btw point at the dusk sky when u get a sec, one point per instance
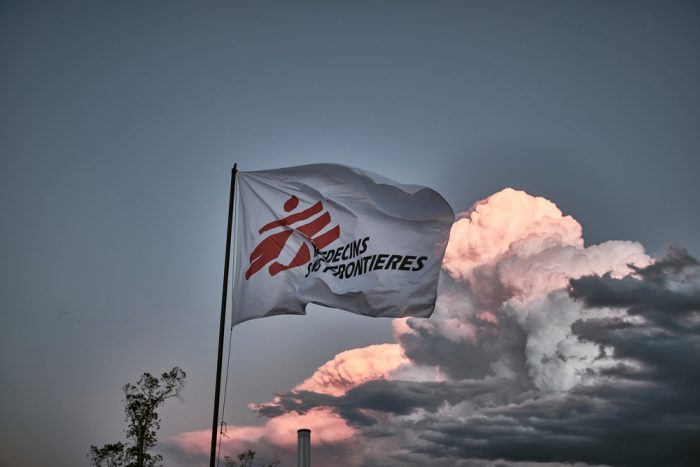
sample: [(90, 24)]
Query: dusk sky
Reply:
[(564, 134)]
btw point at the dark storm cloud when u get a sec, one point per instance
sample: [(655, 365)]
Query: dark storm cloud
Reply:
[(665, 348), (612, 424), (395, 398), (641, 410), (675, 262), (668, 285), (466, 359)]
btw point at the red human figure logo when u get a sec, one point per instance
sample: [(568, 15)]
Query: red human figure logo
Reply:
[(269, 249)]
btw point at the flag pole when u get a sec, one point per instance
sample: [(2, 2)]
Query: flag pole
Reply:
[(219, 358)]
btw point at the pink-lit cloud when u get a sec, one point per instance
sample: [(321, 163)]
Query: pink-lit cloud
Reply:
[(346, 370), (523, 246), (354, 367), (509, 222), (278, 437)]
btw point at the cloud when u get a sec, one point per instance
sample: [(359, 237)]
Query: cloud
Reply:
[(353, 367), (508, 221), (641, 409), (332, 434), (633, 341), (332, 439), (504, 310), (668, 284), (513, 246), (541, 351)]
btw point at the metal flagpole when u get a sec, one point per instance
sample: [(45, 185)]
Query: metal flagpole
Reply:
[(217, 389)]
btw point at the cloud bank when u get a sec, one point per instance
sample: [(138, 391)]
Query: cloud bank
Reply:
[(541, 350)]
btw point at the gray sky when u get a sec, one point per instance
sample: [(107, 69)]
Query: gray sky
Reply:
[(120, 121)]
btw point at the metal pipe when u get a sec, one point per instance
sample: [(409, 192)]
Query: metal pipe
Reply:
[(304, 447)]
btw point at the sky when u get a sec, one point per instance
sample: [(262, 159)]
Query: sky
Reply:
[(564, 134)]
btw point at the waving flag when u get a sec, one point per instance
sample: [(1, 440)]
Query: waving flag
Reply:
[(336, 236)]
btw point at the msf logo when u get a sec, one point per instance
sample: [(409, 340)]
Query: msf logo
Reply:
[(270, 248)]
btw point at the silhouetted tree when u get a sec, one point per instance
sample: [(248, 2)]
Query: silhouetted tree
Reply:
[(141, 402), (245, 459), (109, 455)]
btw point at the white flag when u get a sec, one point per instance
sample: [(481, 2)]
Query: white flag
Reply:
[(339, 237)]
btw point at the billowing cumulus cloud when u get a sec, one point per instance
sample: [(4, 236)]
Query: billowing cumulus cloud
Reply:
[(504, 310), (542, 350), (513, 246), (508, 221)]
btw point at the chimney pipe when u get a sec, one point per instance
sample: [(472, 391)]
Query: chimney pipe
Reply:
[(304, 447)]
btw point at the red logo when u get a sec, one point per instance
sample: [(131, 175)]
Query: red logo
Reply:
[(269, 249)]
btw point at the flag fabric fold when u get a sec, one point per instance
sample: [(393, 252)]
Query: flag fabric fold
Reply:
[(339, 237)]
